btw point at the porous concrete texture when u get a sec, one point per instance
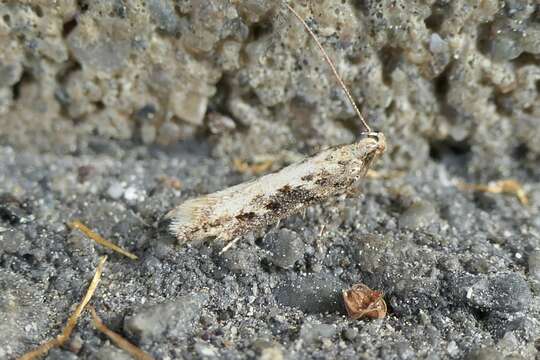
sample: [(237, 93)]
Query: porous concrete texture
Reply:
[(114, 111)]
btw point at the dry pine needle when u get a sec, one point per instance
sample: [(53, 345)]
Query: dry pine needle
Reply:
[(76, 224), (509, 186), (72, 320), (118, 339)]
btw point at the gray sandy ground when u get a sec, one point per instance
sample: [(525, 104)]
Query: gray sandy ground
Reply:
[(100, 100)]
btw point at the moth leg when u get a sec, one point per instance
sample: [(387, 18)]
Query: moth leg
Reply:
[(229, 245), (321, 232), (386, 175)]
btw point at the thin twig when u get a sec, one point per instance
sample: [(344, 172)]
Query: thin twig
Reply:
[(118, 339), (509, 186), (72, 320), (76, 224)]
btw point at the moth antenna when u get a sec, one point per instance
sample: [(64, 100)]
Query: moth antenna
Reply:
[(332, 66)]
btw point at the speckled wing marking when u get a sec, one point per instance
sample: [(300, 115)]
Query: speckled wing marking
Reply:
[(234, 211)]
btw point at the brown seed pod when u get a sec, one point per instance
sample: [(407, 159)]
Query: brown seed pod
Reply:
[(360, 301)]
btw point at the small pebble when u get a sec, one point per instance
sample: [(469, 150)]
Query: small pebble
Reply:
[(11, 209), (418, 215), (350, 333), (110, 352), (131, 194), (452, 349), (314, 293), (218, 123), (271, 353), (315, 332), (534, 264), (507, 293), (115, 191), (58, 354), (205, 351), (171, 320), (240, 260), (485, 354), (14, 242), (148, 133), (437, 44), (285, 247)]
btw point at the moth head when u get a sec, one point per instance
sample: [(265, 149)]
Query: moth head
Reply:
[(373, 143)]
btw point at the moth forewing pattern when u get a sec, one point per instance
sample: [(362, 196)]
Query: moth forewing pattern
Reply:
[(234, 211)]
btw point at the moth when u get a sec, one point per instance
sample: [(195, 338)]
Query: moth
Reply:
[(230, 213)]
